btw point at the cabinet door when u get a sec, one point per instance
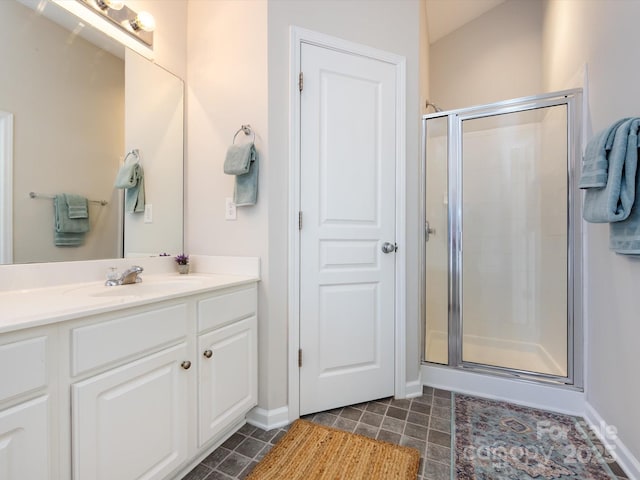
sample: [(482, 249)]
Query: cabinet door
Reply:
[(24, 441), (228, 376), (131, 422)]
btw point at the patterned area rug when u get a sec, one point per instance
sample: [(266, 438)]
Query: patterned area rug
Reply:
[(310, 451), (498, 440)]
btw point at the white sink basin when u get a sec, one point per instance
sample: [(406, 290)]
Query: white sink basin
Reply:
[(142, 289)]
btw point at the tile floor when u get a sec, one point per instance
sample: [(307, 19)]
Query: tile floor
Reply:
[(423, 423)]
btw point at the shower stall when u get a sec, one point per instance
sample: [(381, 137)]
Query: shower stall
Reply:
[(501, 265)]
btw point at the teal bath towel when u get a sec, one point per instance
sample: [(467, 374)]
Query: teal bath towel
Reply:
[(69, 232), (245, 192), (242, 161), (239, 158), (610, 178), (68, 239), (131, 177), (609, 173), (624, 236)]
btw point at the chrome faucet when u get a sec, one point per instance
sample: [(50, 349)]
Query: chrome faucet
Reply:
[(131, 275)]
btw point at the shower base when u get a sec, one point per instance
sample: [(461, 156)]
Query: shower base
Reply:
[(531, 357)]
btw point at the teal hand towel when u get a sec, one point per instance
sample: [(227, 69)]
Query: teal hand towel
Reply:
[(239, 158), (62, 239), (609, 173), (131, 177), (245, 192), (77, 206), (64, 224)]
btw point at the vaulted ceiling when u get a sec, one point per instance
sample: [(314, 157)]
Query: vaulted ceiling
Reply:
[(445, 16)]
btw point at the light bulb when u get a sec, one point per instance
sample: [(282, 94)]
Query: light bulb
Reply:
[(144, 21), (112, 4)]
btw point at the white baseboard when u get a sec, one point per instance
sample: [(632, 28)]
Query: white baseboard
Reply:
[(268, 419), (413, 389), (629, 463)]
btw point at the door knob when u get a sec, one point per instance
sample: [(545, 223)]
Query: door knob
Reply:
[(208, 353), (388, 247), (186, 364)]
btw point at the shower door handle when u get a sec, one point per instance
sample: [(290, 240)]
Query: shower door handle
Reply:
[(428, 231)]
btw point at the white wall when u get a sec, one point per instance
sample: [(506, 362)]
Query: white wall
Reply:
[(423, 54), (227, 72), (238, 68), (602, 35), (494, 57)]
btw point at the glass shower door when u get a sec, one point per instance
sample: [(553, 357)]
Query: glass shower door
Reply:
[(513, 255), (436, 306)]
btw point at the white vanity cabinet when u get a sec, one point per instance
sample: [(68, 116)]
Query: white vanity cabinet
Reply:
[(27, 449), (227, 364), (154, 388), (129, 421), (127, 386)]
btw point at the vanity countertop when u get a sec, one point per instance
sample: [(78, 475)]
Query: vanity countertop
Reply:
[(25, 308)]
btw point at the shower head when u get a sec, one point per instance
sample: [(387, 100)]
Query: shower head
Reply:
[(435, 107)]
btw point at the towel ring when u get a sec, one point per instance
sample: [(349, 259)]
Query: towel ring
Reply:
[(135, 152), (247, 131)]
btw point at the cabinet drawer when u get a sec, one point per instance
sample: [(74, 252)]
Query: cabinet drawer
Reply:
[(22, 367), (229, 307), (114, 340)]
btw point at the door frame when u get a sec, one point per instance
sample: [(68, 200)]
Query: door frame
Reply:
[(298, 36)]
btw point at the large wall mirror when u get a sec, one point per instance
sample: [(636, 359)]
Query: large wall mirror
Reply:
[(72, 104)]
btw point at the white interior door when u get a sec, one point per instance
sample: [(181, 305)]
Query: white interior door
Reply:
[(347, 285)]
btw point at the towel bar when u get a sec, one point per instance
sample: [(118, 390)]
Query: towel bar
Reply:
[(46, 195)]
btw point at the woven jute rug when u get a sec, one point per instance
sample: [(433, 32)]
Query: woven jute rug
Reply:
[(314, 452), (499, 440)]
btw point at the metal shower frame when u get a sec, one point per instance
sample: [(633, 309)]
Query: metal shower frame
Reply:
[(575, 350)]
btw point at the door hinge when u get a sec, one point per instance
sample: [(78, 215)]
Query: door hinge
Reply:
[(299, 358), (299, 220), (300, 81)]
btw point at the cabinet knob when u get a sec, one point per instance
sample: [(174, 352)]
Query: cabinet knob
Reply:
[(186, 364), (208, 353)]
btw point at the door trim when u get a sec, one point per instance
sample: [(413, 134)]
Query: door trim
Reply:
[(298, 36)]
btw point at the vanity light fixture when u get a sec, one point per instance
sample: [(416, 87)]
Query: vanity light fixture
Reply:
[(144, 21), (138, 25), (113, 4)]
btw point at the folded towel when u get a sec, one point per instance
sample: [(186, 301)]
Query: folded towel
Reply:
[(609, 173), (62, 239), (239, 158), (131, 177), (245, 192), (64, 224), (77, 206)]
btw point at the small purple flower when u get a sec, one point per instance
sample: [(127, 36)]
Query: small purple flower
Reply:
[(182, 259)]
